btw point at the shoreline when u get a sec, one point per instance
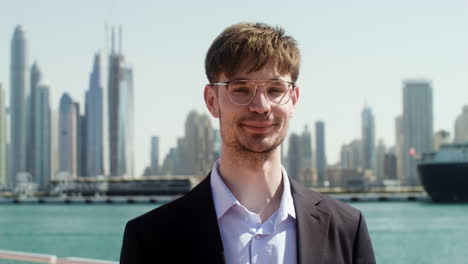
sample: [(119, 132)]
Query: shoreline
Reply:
[(353, 197)]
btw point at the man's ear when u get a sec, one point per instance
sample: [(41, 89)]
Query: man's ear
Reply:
[(294, 99), (211, 101)]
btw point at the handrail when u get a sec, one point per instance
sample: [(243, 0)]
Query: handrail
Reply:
[(25, 256), (84, 261), (50, 259)]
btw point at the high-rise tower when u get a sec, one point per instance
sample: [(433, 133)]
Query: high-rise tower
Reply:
[(94, 121), (320, 153), (32, 115), (294, 156), (80, 142), (120, 113), (42, 147), (68, 127), (351, 155), (399, 148), (368, 138), (461, 126), (3, 138), (19, 92), (379, 162), (306, 150), (198, 145), (154, 167), (417, 126)]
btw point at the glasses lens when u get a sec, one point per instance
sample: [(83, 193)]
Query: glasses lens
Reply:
[(241, 92), (277, 91)]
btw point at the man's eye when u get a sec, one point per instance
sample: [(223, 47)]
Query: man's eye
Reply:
[(275, 91), (240, 90)]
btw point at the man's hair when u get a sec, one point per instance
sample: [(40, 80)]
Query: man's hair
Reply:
[(252, 45)]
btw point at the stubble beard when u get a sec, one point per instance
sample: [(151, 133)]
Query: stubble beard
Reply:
[(246, 151)]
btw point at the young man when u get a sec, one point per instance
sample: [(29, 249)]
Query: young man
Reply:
[(247, 210)]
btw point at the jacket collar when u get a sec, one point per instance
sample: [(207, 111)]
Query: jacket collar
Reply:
[(312, 224), (200, 202)]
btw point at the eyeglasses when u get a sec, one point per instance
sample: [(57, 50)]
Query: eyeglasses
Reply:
[(242, 92)]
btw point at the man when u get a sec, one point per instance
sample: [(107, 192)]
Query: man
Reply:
[(247, 210)]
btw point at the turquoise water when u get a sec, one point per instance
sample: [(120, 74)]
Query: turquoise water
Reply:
[(402, 232)]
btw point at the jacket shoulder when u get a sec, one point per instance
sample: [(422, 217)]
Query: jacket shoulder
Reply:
[(326, 203), (160, 214), (174, 212), (338, 209), (161, 229)]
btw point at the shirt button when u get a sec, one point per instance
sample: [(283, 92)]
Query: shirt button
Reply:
[(258, 236)]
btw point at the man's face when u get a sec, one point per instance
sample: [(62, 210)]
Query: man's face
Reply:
[(258, 127)]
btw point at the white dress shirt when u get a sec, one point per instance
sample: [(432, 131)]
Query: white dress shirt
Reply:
[(246, 240)]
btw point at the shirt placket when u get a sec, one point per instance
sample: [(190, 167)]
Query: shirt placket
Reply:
[(260, 250)]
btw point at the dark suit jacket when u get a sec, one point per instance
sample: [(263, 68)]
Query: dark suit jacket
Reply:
[(186, 231)]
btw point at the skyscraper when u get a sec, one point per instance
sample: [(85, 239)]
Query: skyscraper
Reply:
[(368, 138), (299, 158), (32, 114), (294, 156), (80, 142), (94, 122), (198, 146), (417, 126), (320, 152), (379, 160), (54, 142), (68, 125), (461, 126), (351, 155), (346, 156), (154, 155), (306, 150), (390, 166), (3, 138), (42, 149), (18, 104), (399, 148), (168, 166), (120, 111)]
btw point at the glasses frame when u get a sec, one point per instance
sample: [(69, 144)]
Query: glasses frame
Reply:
[(290, 90)]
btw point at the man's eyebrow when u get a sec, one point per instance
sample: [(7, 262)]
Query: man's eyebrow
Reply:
[(278, 78)]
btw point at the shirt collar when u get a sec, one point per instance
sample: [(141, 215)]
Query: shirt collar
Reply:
[(224, 199), (222, 196), (287, 204)]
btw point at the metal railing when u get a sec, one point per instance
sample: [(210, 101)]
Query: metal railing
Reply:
[(50, 259)]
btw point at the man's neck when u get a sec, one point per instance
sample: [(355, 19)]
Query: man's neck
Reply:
[(256, 185)]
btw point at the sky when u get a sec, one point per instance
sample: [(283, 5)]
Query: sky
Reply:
[(354, 53)]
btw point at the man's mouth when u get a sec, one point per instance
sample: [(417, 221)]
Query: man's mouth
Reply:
[(258, 127)]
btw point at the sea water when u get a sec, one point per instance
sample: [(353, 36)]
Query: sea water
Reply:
[(401, 232)]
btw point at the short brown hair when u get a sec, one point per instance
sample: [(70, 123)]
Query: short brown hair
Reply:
[(255, 44)]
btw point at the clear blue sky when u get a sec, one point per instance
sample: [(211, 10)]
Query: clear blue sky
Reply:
[(354, 52)]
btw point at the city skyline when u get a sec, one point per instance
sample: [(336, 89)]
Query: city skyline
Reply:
[(340, 48)]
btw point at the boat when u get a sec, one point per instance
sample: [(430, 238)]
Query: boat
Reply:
[(444, 174)]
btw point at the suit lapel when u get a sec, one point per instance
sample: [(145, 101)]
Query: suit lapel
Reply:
[(204, 214), (312, 225)]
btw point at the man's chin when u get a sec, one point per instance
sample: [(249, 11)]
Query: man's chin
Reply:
[(259, 147)]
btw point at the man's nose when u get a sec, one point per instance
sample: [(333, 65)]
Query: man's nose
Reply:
[(260, 103)]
